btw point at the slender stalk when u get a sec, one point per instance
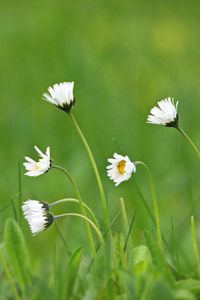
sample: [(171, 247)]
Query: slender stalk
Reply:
[(126, 223), (190, 141), (124, 214), (154, 201), (105, 234), (9, 276), (195, 246), (76, 190), (63, 240), (154, 223), (73, 200), (129, 231), (20, 193), (93, 162), (175, 246), (86, 219), (88, 230), (14, 209)]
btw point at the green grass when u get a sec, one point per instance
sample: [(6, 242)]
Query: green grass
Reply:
[(123, 57)]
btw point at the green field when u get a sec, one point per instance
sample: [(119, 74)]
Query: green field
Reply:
[(123, 57)]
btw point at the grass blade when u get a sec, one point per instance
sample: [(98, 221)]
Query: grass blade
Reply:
[(72, 271), (17, 253), (129, 230)]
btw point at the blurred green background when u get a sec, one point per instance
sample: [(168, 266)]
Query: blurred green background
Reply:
[(124, 56)]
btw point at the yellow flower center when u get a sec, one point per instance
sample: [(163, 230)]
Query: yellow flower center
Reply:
[(121, 166), (37, 167)]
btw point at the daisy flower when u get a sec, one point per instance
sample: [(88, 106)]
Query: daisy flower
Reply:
[(120, 168), (36, 168), (61, 95), (165, 113), (37, 214)]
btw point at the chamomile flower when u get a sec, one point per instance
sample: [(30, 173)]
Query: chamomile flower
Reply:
[(165, 113), (120, 169), (37, 214), (36, 168), (61, 95)]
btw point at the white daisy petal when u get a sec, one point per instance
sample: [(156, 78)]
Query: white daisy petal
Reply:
[(165, 113), (37, 214), (61, 95), (120, 169), (36, 168)]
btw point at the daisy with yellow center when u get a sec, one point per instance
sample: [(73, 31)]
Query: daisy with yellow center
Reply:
[(120, 169), (36, 168)]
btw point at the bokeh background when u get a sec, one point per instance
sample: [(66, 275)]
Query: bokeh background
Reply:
[(124, 56)]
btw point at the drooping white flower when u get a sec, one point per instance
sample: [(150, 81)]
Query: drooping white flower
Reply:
[(37, 214), (61, 95), (36, 168), (120, 168), (165, 114)]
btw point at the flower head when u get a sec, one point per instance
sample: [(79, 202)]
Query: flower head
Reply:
[(120, 168), (37, 214), (165, 114), (61, 95), (36, 168)]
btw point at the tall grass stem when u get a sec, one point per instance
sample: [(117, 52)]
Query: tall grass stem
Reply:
[(76, 190), (189, 141), (124, 214), (154, 202), (20, 193), (96, 171)]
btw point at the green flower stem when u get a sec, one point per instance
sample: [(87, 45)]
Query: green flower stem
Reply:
[(195, 246), (190, 141), (86, 219), (73, 200), (88, 230), (154, 201), (76, 190), (93, 162), (9, 276)]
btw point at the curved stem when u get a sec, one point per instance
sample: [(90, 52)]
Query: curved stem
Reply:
[(76, 190), (73, 200), (86, 219), (93, 162), (154, 201), (190, 141), (88, 230)]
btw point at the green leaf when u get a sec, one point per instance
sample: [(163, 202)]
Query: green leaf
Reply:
[(140, 259), (118, 257), (157, 289), (108, 292), (189, 284), (17, 253), (99, 274), (184, 295), (72, 271), (39, 290), (158, 258), (128, 282)]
